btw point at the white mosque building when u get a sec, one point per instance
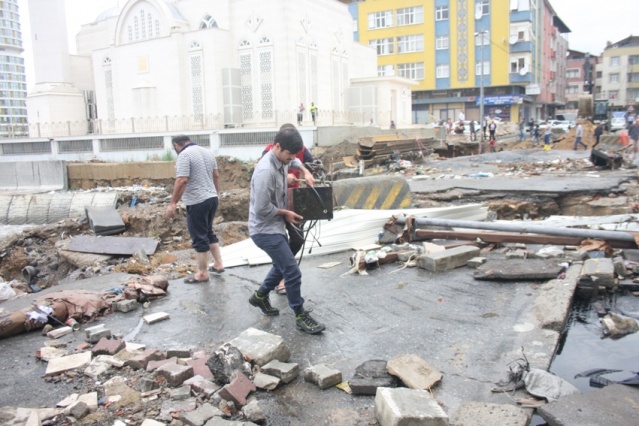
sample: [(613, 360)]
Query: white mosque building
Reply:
[(153, 65)]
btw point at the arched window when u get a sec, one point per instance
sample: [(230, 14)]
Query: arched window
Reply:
[(245, 43), (264, 40), (208, 22), (195, 45), (106, 61)]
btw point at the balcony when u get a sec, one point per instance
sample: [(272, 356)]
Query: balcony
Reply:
[(521, 46)]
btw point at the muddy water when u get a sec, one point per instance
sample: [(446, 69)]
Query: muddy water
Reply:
[(583, 348)]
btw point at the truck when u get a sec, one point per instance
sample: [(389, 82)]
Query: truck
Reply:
[(595, 110)]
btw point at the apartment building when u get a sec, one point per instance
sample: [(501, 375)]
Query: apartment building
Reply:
[(513, 49), (581, 76), (620, 73), (13, 85)]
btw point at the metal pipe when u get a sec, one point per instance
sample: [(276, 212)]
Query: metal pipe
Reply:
[(522, 228)]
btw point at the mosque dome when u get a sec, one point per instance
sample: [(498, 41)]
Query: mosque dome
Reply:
[(109, 13)]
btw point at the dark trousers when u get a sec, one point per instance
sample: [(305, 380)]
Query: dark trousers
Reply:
[(199, 222), (284, 266)]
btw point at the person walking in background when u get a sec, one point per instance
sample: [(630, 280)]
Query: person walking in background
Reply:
[(392, 125), (197, 184), (599, 131), (314, 113), (522, 130), (473, 135), (633, 133), (492, 128), (462, 116), (492, 144), (547, 136), (300, 114), (579, 134), (536, 134), (268, 215), (484, 125), (531, 125)]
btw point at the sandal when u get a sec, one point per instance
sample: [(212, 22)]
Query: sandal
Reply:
[(216, 271), (192, 280)]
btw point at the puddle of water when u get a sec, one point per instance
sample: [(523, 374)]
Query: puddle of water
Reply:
[(131, 336), (582, 347)]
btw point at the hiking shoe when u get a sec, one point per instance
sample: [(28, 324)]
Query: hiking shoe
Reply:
[(264, 304), (307, 324)]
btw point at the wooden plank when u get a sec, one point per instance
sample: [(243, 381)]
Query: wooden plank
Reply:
[(112, 245)]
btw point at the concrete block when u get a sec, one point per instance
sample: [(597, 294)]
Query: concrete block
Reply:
[(414, 372), (134, 347), (619, 266), (181, 393), (201, 415), (175, 374), (179, 353), (108, 346), (402, 406), (285, 371), (104, 220), (483, 413), (202, 386), (601, 268), (265, 381), (448, 259), (145, 384), (140, 361), (238, 389), (371, 375), (253, 412), (94, 334), (579, 254), (261, 347), (323, 376), (155, 364), (476, 262), (518, 254), (59, 332), (156, 317), (67, 363), (126, 305)]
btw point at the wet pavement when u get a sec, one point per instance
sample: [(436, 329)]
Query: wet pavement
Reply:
[(469, 330)]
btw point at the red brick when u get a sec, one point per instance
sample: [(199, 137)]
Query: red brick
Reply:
[(200, 368), (108, 346), (238, 389), (141, 361)]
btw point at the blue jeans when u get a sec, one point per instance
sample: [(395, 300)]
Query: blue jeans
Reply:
[(284, 266)]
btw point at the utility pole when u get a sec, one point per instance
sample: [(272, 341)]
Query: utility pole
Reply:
[(481, 83)]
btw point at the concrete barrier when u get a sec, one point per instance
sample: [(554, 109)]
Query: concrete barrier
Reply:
[(18, 175), (39, 209), (374, 192)]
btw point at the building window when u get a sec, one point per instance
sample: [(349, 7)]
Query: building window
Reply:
[(483, 38), (521, 35), (572, 89), (410, 15), (441, 42), (633, 59), (208, 22), (385, 70), (615, 61), (517, 65), (632, 95), (572, 73), (633, 77), (613, 94), (614, 78), (414, 71), (441, 13), (478, 68), (484, 6), (412, 43), (382, 19), (443, 71), (384, 46)]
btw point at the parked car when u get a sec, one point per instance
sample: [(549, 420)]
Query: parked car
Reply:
[(556, 124), (617, 123)]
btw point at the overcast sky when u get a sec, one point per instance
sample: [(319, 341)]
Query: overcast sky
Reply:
[(592, 22)]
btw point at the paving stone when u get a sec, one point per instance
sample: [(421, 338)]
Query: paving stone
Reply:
[(200, 415), (483, 413), (178, 353), (59, 332), (145, 384), (108, 346), (253, 412), (133, 347), (110, 360), (285, 371), (448, 259), (602, 269), (154, 365), (202, 385), (156, 317), (200, 368), (126, 305), (142, 360), (413, 371), (476, 262), (265, 381), (323, 376), (67, 363), (175, 374), (261, 347), (238, 389), (402, 406), (89, 330), (169, 407), (95, 335), (181, 393), (369, 376)]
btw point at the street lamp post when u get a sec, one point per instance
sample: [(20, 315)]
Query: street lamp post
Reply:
[(481, 84)]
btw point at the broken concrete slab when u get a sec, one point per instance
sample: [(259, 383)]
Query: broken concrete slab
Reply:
[(371, 375), (413, 371), (225, 361), (518, 269), (67, 363), (554, 299), (265, 381), (112, 245), (602, 268), (483, 413), (104, 220), (448, 259), (175, 374), (202, 386), (261, 347), (617, 404), (402, 406), (201, 415), (285, 371)]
